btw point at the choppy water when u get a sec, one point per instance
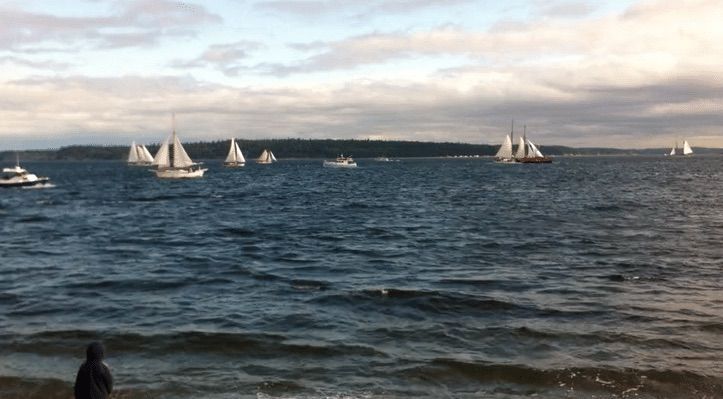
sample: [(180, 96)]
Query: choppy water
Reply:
[(422, 278)]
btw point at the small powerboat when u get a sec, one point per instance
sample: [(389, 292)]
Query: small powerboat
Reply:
[(340, 162), (19, 177)]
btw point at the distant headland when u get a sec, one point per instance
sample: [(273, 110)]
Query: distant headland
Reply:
[(318, 148)]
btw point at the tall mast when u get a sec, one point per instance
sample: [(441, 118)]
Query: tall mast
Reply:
[(512, 132), (524, 136), (173, 140)]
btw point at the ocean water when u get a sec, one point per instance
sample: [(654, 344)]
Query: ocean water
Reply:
[(440, 278)]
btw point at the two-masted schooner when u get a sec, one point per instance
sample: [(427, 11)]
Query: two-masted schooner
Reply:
[(175, 164), (139, 155), (527, 151), (686, 150), (266, 157), (235, 157)]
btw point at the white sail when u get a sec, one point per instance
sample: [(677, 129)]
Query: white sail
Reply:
[(520, 149), (163, 158), (534, 150), (686, 148), (133, 154), (273, 158), (239, 155), (264, 157), (180, 157), (505, 151), (672, 150), (144, 154), (231, 157)]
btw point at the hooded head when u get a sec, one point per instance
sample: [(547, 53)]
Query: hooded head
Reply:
[(95, 352)]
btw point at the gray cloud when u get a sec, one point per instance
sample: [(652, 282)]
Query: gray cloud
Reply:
[(634, 80), (134, 23), (632, 116), (224, 57)]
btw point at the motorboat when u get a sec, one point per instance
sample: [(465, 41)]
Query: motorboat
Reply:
[(341, 162), (19, 177)]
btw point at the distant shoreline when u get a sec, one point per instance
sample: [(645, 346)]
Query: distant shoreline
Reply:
[(323, 149)]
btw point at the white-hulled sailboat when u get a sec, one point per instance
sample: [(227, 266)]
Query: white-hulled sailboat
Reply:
[(176, 164), (266, 157), (235, 157), (686, 150), (139, 155)]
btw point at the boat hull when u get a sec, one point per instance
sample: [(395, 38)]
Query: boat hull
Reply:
[(505, 160), (535, 160), (180, 173), (40, 181), (234, 164), (328, 164)]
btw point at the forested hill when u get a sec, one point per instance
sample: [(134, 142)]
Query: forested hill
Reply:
[(300, 148)]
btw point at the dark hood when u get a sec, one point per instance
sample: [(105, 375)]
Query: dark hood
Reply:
[(95, 351)]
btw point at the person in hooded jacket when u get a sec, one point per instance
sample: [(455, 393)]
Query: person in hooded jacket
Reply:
[(94, 380)]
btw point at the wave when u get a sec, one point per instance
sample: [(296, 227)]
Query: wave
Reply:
[(51, 388), (238, 232), (427, 301), (33, 219), (71, 342), (619, 382)]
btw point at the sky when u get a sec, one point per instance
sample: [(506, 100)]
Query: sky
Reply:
[(620, 73)]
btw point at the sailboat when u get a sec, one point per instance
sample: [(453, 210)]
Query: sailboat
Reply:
[(686, 150), (176, 164), (139, 155), (266, 157), (235, 157), (504, 155), (528, 152)]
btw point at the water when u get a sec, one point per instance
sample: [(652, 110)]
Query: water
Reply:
[(452, 278)]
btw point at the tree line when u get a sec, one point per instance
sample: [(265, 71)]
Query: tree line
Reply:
[(304, 148)]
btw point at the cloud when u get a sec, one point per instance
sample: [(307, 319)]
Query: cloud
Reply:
[(112, 111), (356, 9), (34, 64), (686, 32), (132, 23), (224, 57), (564, 9), (634, 79)]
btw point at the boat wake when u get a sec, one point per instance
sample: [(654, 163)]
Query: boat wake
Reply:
[(39, 186)]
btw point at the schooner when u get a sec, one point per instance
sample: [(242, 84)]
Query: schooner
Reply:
[(139, 155), (175, 164), (266, 157), (686, 150)]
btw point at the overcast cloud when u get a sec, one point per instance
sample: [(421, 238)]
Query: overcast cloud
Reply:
[(638, 76)]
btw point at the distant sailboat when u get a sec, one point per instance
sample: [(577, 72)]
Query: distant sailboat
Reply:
[(686, 150), (235, 157), (176, 164), (266, 157), (527, 152), (139, 155)]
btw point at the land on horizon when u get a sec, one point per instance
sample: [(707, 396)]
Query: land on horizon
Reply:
[(321, 148)]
